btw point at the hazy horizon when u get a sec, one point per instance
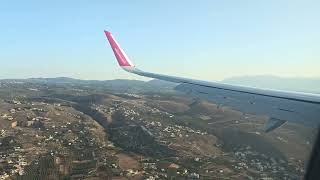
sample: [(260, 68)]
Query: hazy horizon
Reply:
[(298, 84), (150, 79)]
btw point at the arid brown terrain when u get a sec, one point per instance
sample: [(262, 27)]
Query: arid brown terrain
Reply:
[(66, 128)]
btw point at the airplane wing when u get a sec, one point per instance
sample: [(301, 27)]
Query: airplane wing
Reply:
[(279, 106)]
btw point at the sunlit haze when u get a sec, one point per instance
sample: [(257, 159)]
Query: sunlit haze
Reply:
[(209, 40)]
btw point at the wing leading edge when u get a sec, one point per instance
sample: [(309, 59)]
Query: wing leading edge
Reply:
[(280, 106)]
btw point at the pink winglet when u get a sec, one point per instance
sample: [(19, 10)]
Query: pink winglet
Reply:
[(122, 58)]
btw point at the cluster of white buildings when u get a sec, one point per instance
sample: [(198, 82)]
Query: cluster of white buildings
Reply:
[(15, 160)]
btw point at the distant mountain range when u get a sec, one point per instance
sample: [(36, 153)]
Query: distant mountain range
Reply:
[(309, 85), (115, 82), (121, 85), (67, 80)]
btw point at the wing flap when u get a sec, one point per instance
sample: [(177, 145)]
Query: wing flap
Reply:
[(273, 124)]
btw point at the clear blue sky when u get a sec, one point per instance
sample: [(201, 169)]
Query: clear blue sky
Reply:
[(203, 39)]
